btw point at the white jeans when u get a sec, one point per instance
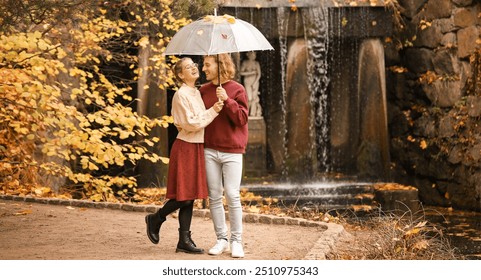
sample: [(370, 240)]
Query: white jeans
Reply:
[(224, 173)]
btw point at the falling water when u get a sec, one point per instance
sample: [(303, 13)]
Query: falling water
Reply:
[(316, 33), (283, 22)]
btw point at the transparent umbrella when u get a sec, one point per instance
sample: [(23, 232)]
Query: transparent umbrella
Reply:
[(214, 34), (217, 34)]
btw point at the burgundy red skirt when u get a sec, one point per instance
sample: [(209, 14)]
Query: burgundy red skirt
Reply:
[(186, 178)]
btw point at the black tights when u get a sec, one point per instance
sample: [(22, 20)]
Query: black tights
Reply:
[(185, 212)]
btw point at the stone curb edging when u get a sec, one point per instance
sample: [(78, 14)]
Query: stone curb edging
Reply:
[(331, 232), (326, 243)]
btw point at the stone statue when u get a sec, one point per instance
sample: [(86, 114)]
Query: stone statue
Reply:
[(251, 72)]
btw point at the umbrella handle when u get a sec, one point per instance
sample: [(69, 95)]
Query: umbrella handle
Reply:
[(218, 70), (220, 87), (218, 64)]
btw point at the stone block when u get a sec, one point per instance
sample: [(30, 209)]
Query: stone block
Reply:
[(425, 126), (467, 38), (419, 60), (446, 127), (66, 202), (80, 203), (151, 209), (446, 25), (138, 208), (115, 206), (264, 219), (437, 9), (443, 93), (429, 37), (449, 40), (446, 62), (54, 201), (464, 17), (251, 218), (279, 221), (127, 207), (18, 198), (456, 154), (255, 156), (397, 198), (474, 153), (293, 221)]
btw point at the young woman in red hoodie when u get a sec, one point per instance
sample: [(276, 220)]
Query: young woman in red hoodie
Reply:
[(225, 140)]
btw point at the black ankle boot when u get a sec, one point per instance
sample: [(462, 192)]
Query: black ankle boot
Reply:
[(186, 244), (154, 222)]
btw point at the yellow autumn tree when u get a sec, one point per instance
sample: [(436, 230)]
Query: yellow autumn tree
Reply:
[(66, 121)]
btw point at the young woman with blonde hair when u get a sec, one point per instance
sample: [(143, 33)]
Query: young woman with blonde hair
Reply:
[(186, 179)]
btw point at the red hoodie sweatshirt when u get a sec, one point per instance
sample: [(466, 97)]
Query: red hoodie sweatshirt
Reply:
[(228, 132)]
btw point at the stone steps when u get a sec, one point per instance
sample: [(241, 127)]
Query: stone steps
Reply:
[(350, 196), (326, 195)]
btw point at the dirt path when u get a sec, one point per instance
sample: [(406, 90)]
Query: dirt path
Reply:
[(35, 231)]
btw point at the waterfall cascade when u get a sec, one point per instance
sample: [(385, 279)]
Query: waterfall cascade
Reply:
[(323, 96)]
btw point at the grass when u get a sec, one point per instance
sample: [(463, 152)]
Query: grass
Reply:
[(393, 236)]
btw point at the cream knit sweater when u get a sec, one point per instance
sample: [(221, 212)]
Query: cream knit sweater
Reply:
[(190, 114)]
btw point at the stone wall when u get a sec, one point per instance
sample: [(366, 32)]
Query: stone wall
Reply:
[(434, 95)]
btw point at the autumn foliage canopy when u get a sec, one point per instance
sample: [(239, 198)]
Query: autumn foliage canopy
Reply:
[(65, 122)]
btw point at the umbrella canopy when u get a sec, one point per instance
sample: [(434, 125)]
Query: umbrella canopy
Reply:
[(212, 35)]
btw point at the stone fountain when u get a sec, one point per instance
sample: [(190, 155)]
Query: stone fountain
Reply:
[(323, 98)]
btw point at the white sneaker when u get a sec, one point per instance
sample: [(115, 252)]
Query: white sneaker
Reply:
[(237, 250), (221, 246)]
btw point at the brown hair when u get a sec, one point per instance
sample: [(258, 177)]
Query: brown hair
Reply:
[(226, 64), (177, 69)]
